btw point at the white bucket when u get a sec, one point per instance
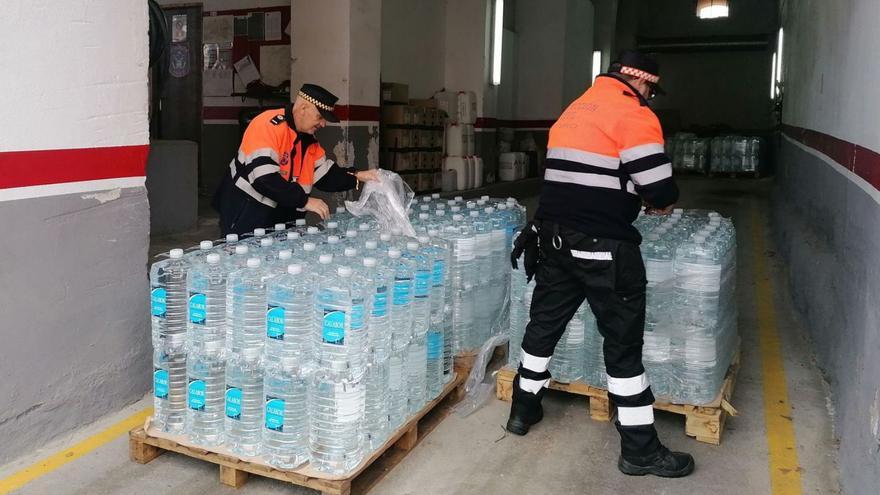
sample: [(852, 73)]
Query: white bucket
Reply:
[(507, 167), (450, 181), (447, 102), (460, 165)]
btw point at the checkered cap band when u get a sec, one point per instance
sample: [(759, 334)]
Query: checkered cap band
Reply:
[(630, 71), (315, 102)]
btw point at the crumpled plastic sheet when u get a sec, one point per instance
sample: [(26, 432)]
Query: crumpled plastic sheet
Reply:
[(388, 201), (477, 393)]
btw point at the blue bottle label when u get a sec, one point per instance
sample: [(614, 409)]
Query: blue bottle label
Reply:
[(195, 396), (435, 345), (157, 302), (233, 402), (437, 276), (380, 302), (160, 383), (197, 309), (423, 283), (275, 322), (357, 317), (333, 331), (401, 294), (274, 413)]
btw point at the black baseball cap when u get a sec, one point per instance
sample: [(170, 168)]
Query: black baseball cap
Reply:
[(324, 100), (637, 64)]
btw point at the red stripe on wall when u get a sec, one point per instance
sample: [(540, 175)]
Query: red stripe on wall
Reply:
[(42, 167), (860, 160), (344, 112)]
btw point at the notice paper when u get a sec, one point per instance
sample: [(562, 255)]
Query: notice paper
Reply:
[(218, 29), (273, 26), (246, 70)]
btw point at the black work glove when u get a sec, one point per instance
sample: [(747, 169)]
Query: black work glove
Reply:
[(526, 243)]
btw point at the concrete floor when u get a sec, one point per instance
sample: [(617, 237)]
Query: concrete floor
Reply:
[(567, 452)]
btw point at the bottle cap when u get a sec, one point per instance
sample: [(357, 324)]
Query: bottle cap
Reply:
[(459, 198), (423, 239), (351, 233), (332, 225), (213, 259), (678, 210), (309, 246), (176, 254), (455, 209), (231, 237), (511, 200), (371, 245), (294, 269), (433, 232), (312, 230), (280, 226), (424, 216), (424, 207), (489, 210), (439, 213), (370, 262), (435, 195), (253, 262), (241, 249), (344, 271), (475, 213), (412, 246), (364, 227), (457, 218), (441, 206), (484, 197), (285, 254), (340, 209), (350, 252), (426, 199), (394, 253), (325, 259), (266, 242), (300, 222), (384, 237), (292, 236), (332, 239), (481, 202), (502, 206), (205, 245), (259, 232)]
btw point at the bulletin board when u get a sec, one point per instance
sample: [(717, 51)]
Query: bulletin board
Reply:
[(243, 45)]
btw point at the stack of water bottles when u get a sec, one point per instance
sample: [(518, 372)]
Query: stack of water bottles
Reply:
[(300, 345), (736, 154), (690, 329)]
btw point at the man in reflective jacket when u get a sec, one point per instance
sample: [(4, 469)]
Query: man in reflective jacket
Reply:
[(279, 162), (604, 158)]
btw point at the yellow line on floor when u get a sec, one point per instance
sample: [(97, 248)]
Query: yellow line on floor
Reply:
[(82, 448), (785, 471)]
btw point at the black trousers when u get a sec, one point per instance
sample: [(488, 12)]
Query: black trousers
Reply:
[(610, 275)]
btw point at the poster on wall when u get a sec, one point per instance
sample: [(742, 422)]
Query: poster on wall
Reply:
[(178, 60), (218, 29), (273, 26), (178, 28), (275, 64)]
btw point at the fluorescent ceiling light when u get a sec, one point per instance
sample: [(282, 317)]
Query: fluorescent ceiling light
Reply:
[(498, 23), (712, 9), (779, 56), (773, 78), (597, 63)]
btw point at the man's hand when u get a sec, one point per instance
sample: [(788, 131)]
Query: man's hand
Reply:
[(317, 206), (367, 175), (659, 211)]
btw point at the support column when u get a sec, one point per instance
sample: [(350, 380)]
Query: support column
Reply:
[(337, 44)]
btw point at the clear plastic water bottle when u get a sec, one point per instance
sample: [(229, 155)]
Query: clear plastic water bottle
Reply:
[(482, 286), (461, 236), (421, 308), (230, 243), (206, 286), (375, 427), (168, 302), (309, 254), (435, 251), (278, 265), (246, 309), (169, 390), (286, 420), (206, 380), (238, 259), (567, 365), (290, 300), (244, 402), (333, 246), (401, 318)]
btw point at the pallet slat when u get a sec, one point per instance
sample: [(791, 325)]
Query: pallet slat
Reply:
[(234, 471), (705, 423)]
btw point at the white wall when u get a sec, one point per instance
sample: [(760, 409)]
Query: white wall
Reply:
[(208, 5), (467, 62), (53, 77), (831, 51), (413, 44), (540, 29), (578, 62)]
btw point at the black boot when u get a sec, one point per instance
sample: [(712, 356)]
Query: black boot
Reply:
[(663, 463), (525, 409)]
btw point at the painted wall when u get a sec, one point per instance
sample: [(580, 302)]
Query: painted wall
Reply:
[(413, 33), (578, 59), (74, 321), (827, 212)]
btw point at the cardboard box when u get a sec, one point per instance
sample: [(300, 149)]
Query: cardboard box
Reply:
[(432, 117), (404, 160), (397, 114), (418, 115), (438, 180), (397, 138), (412, 180), (437, 141), (395, 92), (424, 103), (426, 182)]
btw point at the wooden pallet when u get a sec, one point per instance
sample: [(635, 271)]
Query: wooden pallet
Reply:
[(234, 471), (705, 423), (463, 362)]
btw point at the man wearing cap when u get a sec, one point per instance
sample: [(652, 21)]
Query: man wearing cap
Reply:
[(278, 163), (604, 158)]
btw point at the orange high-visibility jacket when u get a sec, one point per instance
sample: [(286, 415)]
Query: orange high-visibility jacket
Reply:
[(604, 155), (273, 173)]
